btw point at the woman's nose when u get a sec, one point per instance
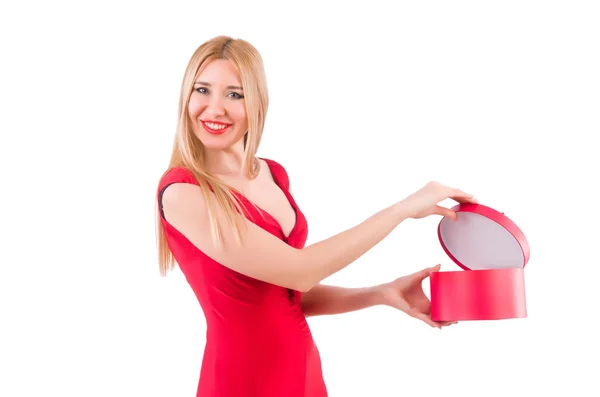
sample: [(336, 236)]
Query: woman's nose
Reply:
[(215, 107)]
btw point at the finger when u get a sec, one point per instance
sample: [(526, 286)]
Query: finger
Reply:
[(423, 317), (435, 268), (424, 273), (465, 199), (472, 199), (446, 212), (460, 194), (462, 197)]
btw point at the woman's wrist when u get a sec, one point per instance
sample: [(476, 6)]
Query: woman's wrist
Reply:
[(401, 211), (380, 294)]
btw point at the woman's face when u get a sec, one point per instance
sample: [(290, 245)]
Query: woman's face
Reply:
[(217, 108)]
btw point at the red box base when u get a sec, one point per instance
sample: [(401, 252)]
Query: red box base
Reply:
[(478, 295)]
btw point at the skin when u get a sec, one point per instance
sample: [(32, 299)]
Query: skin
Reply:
[(212, 99), (215, 98), (261, 255)]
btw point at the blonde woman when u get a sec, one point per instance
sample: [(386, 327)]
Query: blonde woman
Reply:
[(229, 221)]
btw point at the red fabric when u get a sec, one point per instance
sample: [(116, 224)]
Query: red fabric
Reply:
[(258, 343)]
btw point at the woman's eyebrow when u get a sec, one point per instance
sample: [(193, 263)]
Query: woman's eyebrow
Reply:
[(229, 87)]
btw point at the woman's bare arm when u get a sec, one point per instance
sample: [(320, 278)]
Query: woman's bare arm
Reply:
[(264, 256), (328, 299)]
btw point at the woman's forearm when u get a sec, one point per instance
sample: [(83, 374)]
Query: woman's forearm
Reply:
[(322, 259), (327, 299)]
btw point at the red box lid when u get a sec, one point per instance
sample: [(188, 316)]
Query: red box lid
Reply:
[(483, 238)]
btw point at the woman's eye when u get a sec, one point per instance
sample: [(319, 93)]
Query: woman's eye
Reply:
[(201, 90), (235, 95)]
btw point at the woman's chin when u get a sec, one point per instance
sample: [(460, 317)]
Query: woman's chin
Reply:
[(217, 142)]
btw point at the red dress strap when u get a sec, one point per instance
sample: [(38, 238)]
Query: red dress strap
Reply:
[(279, 173)]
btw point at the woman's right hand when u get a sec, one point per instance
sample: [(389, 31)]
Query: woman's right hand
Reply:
[(424, 202)]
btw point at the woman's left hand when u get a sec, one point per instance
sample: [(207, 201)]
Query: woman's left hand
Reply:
[(406, 294)]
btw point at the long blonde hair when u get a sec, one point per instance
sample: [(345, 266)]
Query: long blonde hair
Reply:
[(188, 151)]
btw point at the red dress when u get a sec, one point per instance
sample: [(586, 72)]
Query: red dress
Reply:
[(258, 343)]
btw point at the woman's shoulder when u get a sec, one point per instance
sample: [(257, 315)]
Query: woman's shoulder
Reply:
[(177, 174), (278, 170)]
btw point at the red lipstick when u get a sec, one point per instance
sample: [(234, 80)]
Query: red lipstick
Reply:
[(215, 131)]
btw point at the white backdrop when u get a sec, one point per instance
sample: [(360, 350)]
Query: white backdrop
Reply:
[(368, 102)]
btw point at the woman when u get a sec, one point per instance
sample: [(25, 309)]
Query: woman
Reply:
[(229, 220)]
